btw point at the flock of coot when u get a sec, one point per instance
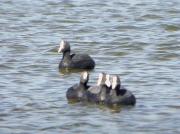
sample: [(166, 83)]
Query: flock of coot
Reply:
[(107, 91)]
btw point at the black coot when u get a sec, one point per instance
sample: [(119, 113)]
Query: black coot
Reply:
[(119, 95), (98, 94), (78, 91), (74, 61)]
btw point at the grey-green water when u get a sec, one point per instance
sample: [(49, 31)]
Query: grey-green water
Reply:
[(137, 39)]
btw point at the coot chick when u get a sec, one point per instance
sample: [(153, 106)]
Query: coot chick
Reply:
[(74, 61), (78, 91), (120, 95), (97, 94)]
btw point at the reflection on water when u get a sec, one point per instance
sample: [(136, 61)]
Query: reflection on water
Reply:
[(138, 40), (67, 71)]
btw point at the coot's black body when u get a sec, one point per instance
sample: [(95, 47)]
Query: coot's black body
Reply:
[(74, 61), (78, 91), (121, 97)]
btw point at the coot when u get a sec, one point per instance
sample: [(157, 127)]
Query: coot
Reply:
[(78, 91), (98, 93), (120, 95), (74, 61)]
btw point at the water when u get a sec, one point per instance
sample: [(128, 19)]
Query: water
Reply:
[(139, 40)]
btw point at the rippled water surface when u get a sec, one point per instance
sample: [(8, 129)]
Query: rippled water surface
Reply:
[(137, 39)]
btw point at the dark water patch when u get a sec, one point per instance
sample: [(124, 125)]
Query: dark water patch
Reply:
[(171, 46), (68, 5), (4, 67), (119, 53), (126, 27), (31, 67), (19, 110), (174, 11), (130, 47), (161, 56), (121, 3), (141, 4), (70, 21), (70, 126), (171, 28), (174, 106), (50, 128), (151, 16), (21, 81)]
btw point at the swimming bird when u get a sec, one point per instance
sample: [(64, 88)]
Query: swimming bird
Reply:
[(97, 94), (78, 91), (74, 61), (120, 95)]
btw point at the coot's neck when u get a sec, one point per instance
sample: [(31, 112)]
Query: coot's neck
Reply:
[(107, 89), (117, 87), (115, 91), (84, 84), (104, 92), (66, 55), (119, 91)]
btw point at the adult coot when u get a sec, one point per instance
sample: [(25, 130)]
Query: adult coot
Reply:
[(78, 91), (74, 61), (98, 93), (119, 95)]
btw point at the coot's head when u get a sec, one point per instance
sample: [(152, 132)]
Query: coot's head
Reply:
[(84, 77), (64, 46), (116, 83), (101, 79), (108, 82)]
